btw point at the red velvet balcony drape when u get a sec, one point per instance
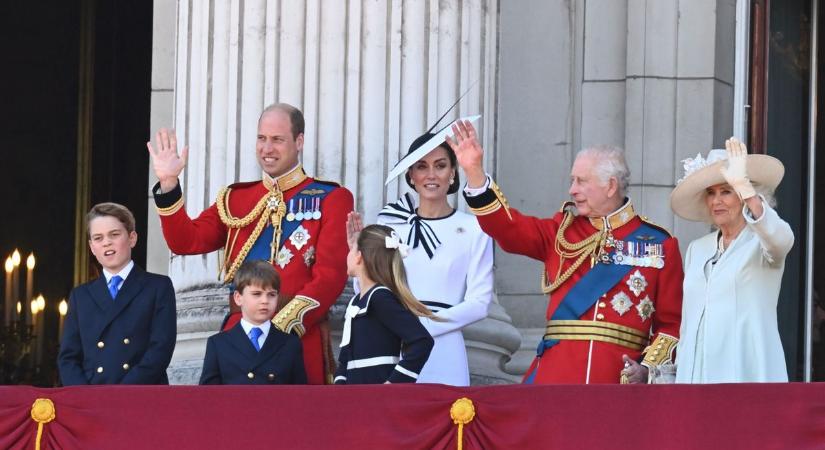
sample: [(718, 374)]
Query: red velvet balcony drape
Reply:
[(747, 416)]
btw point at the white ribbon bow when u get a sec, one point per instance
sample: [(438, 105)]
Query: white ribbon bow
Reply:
[(393, 241), (350, 314)]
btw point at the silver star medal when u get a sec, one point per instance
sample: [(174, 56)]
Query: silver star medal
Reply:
[(621, 303), (299, 237), (637, 283), (645, 308), (283, 257), (309, 256)]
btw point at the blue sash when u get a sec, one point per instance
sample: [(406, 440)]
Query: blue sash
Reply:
[(595, 283), (262, 248)]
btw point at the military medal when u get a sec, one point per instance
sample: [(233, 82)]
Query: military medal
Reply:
[(645, 308), (291, 216), (317, 213), (284, 257), (309, 256), (621, 303), (300, 215), (637, 283), (299, 237)]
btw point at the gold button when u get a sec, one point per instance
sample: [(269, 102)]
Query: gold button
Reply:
[(656, 353), (126, 341), (126, 367), (602, 304), (600, 316), (250, 375), (100, 344), (100, 370), (271, 376)]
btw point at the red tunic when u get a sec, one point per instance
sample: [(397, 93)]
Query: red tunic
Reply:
[(588, 361), (316, 271)]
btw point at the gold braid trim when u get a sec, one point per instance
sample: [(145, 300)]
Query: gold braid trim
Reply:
[(501, 198), (169, 210), (232, 222), (274, 202), (586, 330), (484, 210), (291, 316), (247, 246), (591, 246), (660, 351)]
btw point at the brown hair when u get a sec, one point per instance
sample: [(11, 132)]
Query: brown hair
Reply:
[(257, 272), (296, 117), (385, 267), (108, 209)]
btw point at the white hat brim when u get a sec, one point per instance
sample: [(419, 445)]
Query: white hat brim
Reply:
[(688, 198), (411, 158)]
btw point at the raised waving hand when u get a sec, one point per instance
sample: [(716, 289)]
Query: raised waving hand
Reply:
[(166, 162)]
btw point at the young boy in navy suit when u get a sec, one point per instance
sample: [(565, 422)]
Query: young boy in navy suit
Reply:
[(121, 327), (254, 351)]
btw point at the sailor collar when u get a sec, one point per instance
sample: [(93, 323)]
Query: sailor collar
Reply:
[(286, 181), (615, 219)]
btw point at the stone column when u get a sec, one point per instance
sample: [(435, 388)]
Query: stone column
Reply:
[(369, 75)]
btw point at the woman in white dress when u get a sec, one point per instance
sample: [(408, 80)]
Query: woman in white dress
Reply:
[(450, 265), (729, 329)]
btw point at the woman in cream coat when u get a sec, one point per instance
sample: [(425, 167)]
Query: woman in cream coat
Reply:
[(732, 276)]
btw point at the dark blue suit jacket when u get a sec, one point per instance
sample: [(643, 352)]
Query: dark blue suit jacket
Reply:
[(231, 359), (128, 340)]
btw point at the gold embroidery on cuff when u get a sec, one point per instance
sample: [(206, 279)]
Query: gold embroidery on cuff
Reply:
[(291, 316)]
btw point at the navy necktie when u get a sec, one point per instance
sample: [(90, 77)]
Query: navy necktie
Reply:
[(114, 283), (254, 334)]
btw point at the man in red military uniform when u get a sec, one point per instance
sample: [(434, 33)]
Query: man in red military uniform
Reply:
[(614, 279), (294, 221)]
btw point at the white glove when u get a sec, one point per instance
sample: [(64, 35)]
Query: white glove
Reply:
[(736, 174)]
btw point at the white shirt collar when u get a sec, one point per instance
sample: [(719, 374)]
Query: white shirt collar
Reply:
[(247, 326), (123, 272)]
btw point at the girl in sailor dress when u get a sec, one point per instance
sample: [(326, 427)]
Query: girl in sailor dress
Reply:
[(450, 266), (383, 340)]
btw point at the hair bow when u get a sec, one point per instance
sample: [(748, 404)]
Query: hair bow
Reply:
[(393, 241)]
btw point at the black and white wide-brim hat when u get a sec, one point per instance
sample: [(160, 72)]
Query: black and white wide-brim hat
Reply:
[(423, 145), (688, 197)]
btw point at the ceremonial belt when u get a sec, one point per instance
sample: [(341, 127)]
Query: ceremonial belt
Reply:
[(262, 249), (588, 330), (435, 305), (370, 362)]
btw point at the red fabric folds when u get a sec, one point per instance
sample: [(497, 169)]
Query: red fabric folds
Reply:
[(742, 416)]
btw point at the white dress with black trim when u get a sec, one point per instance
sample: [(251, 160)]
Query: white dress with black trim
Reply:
[(382, 341), (449, 269)]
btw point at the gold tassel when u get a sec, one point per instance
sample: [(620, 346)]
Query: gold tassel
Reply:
[(462, 412), (42, 413)]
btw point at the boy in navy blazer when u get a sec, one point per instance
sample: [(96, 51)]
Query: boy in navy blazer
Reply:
[(121, 327), (254, 351)]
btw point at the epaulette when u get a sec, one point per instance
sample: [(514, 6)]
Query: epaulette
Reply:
[(242, 184), (647, 220), (327, 182)]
